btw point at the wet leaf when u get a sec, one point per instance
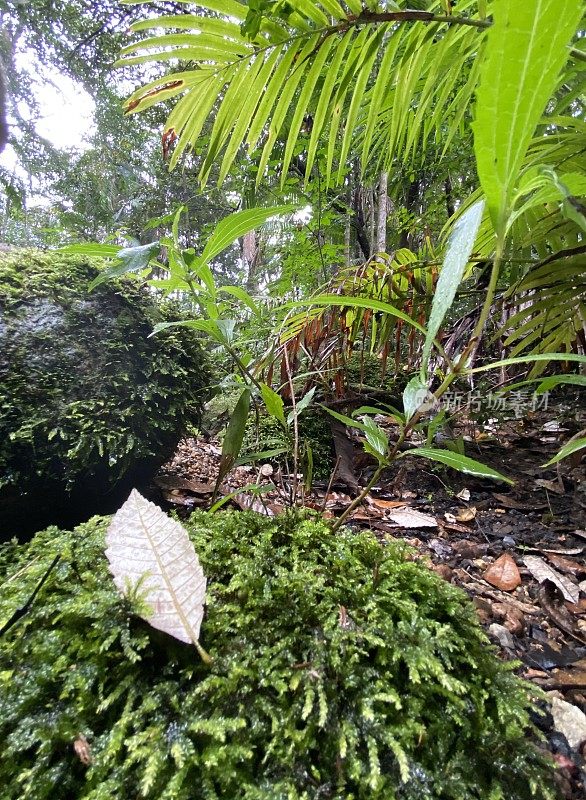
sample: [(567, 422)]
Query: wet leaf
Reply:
[(503, 574)]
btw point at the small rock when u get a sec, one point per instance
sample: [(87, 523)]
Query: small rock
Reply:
[(569, 720), (445, 572), (502, 635), (508, 541)]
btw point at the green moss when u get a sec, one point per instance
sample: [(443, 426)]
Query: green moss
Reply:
[(341, 669), (85, 393)]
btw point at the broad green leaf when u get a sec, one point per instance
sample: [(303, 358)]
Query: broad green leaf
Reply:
[(235, 225), (459, 249), (261, 455), (92, 249), (152, 552), (567, 450), (241, 294), (384, 411), (204, 325), (226, 328), (414, 395), (527, 46), (132, 259), (274, 404), (351, 423), (376, 437), (301, 405), (234, 436), (457, 461), (546, 384)]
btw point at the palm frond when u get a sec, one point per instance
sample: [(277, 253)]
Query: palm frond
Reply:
[(376, 79)]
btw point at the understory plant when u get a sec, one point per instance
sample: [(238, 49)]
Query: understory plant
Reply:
[(376, 84), (339, 668)]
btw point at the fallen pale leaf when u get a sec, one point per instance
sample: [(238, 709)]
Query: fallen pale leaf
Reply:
[(152, 552), (409, 518), (464, 494), (449, 517), (503, 574), (543, 572)]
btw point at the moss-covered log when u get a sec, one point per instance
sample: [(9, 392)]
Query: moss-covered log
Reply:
[(342, 670), (89, 404)]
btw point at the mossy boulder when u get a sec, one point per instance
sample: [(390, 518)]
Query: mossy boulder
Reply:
[(89, 404), (342, 670)]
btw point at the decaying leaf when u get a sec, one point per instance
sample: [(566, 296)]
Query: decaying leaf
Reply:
[(146, 548), (82, 750), (543, 572), (503, 574)]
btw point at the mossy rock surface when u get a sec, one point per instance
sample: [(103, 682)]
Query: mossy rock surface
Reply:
[(89, 404), (341, 670)]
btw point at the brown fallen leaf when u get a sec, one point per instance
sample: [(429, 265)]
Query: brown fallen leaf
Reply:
[(510, 502), (549, 597), (551, 486), (566, 564), (543, 572), (568, 678), (384, 504), (503, 574)]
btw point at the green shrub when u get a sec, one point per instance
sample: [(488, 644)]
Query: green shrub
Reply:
[(341, 669), (314, 431), (86, 396)]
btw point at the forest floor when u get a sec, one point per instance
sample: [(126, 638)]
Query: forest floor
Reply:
[(517, 551)]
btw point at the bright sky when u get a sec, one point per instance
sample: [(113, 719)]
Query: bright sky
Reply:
[(66, 110), (67, 113)]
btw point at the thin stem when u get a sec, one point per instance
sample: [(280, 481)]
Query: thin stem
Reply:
[(358, 500)]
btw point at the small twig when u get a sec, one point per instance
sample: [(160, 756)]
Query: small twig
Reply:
[(20, 612), (332, 476), (358, 500), (295, 427)]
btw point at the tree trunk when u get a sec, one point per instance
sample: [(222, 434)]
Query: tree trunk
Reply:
[(381, 227)]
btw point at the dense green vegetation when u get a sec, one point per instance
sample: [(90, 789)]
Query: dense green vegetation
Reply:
[(341, 669), (357, 204)]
